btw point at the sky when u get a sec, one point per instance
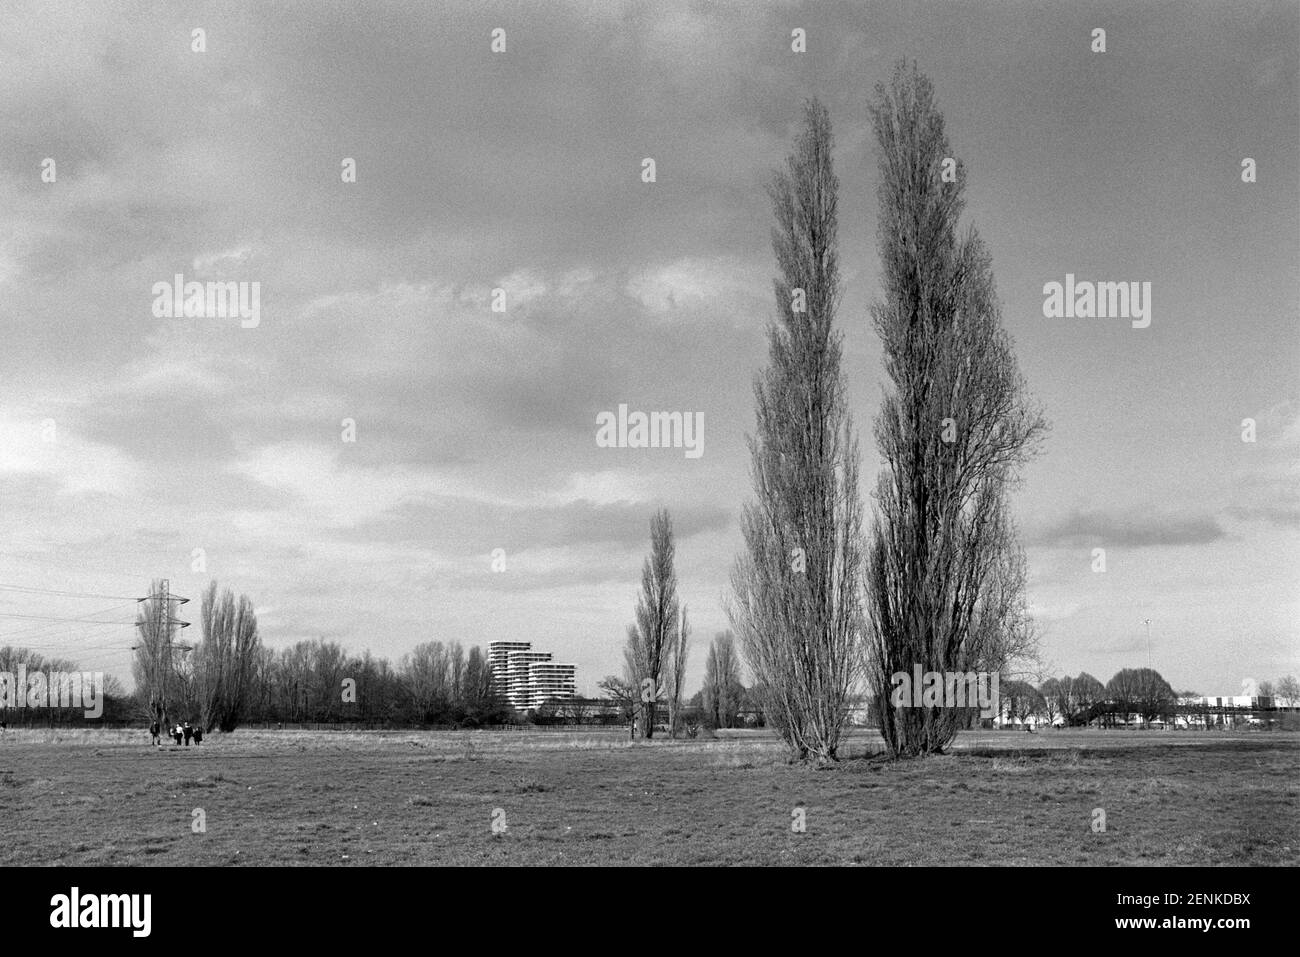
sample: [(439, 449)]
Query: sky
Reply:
[(128, 441)]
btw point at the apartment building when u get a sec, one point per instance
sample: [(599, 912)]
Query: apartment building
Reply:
[(499, 662), (528, 679), (550, 681)]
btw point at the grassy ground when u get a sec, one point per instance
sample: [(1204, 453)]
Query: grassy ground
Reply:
[(592, 797)]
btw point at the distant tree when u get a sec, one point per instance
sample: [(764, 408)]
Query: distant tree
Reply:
[(481, 703), (183, 688), (712, 694), (1020, 700), (722, 688), (1086, 694), (1288, 690), (1266, 689), (751, 707), (425, 672), (1066, 698), (153, 666), (622, 692), (329, 666), (1055, 699), (297, 681), (1192, 705), (577, 710), (457, 666), (1156, 699), (677, 673), (652, 640), (1141, 691), (115, 703), (224, 663)]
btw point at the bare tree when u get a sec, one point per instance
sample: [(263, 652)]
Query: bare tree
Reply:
[(677, 673), (225, 661), (622, 693), (1288, 690), (12, 658), (1087, 694), (797, 586), (652, 639), (1141, 691), (577, 710), (429, 673), (722, 688), (1020, 700), (1054, 695), (480, 699), (946, 575)]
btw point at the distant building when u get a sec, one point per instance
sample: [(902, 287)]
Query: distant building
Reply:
[(499, 662), (550, 681), (528, 679), (1225, 711), (517, 690)]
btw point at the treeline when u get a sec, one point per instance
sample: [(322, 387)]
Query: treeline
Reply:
[(230, 678), (1083, 699), (313, 681), (321, 681), (117, 704)]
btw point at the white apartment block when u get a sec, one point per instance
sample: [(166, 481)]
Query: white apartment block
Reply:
[(528, 679), (550, 681), (499, 662), (517, 675)]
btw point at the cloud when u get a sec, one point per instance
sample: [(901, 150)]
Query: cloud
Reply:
[(1055, 610), (1280, 515), (43, 447), (1265, 482), (1096, 528)]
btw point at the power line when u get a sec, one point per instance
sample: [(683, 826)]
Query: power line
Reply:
[(45, 642), (67, 594), (78, 654), (51, 618), (41, 630), (52, 632), (102, 653), (49, 634)]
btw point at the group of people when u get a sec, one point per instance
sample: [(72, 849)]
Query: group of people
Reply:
[(184, 730)]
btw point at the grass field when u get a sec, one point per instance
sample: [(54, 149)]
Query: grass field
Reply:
[(592, 797)]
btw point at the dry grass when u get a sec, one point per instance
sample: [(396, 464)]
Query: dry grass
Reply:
[(284, 797)]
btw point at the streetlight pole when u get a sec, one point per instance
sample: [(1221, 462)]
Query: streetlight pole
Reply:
[(1148, 622)]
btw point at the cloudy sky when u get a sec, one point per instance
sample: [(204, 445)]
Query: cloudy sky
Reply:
[(521, 170)]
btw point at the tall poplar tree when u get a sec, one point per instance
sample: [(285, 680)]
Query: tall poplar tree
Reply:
[(946, 572), (797, 587)]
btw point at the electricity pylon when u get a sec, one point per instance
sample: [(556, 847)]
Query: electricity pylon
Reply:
[(163, 646)]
